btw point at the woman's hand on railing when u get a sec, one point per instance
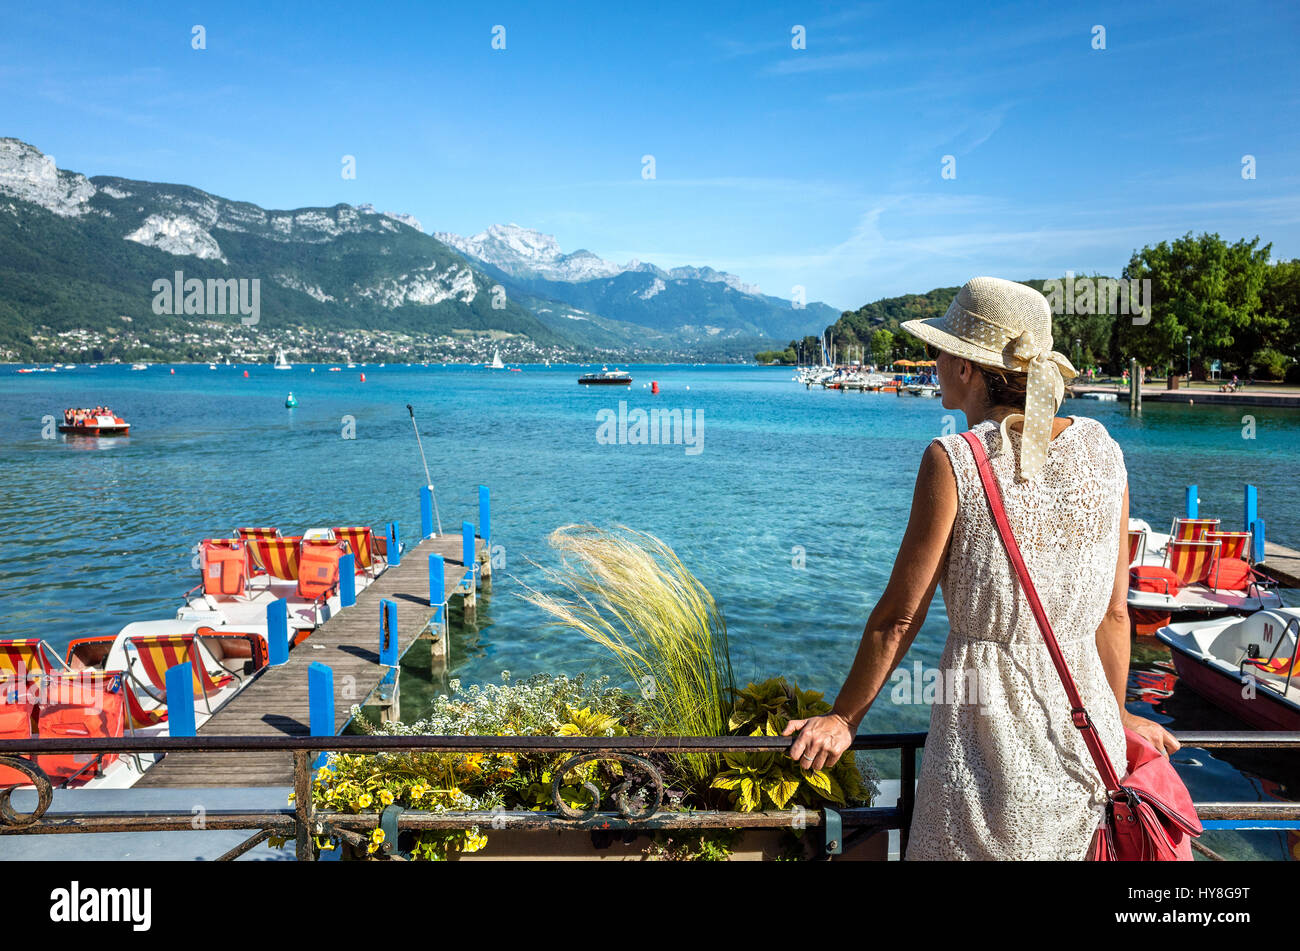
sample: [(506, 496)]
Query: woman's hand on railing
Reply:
[(1152, 732), (821, 740)]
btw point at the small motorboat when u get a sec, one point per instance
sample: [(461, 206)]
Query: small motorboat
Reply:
[(1244, 666), (606, 377), (100, 421), (139, 366)]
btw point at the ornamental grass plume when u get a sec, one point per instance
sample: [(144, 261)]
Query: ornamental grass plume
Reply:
[(627, 591)]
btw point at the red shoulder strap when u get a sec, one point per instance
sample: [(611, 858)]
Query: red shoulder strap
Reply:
[(1077, 712)]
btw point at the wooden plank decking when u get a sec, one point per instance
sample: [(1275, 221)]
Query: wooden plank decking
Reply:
[(276, 701), (1281, 563)]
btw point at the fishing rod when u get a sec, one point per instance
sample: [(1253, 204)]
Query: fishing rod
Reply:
[(427, 480)]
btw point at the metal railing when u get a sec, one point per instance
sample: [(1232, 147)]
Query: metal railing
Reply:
[(840, 827)]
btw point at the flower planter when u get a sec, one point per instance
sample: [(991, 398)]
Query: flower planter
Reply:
[(758, 845)]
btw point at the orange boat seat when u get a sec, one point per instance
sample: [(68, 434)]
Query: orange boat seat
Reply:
[(1155, 579)]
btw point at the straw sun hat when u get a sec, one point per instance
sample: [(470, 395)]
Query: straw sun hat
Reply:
[(1006, 325)]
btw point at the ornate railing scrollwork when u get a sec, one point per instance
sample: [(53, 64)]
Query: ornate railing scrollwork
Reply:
[(619, 794), (44, 793)]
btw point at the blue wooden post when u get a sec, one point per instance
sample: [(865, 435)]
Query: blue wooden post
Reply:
[(1251, 512), (437, 586), (469, 554), (320, 704), (388, 633), (1257, 541), (180, 700), (277, 632), (426, 510), (1191, 501), (348, 580), (485, 515), (394, 545)]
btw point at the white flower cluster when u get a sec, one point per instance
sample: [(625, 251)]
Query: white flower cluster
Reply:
[(537, 706)]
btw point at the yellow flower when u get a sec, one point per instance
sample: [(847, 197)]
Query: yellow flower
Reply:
[(385, 797), (376, 840), (418, 791), (364, 801), (291, 795)]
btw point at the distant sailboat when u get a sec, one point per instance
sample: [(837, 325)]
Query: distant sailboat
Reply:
[(496, 360), (280, 362)]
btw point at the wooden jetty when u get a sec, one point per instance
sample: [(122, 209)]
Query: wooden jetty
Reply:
[(1281, 563), (276, 702)]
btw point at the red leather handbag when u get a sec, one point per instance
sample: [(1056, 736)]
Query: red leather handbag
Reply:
[(1149, 813)]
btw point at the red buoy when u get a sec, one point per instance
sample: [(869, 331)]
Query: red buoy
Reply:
[(245, 374), (654, 386), (363, 378), (173, 371)]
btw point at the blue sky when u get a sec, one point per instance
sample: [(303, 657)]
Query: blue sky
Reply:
[(818, 167)]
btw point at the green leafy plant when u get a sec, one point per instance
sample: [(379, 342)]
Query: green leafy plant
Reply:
[(763, 780)]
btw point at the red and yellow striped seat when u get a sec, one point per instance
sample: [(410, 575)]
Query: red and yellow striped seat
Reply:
[(1192, 561), (1136, 543), (21, 656), (1191, 529), (158, 653), (1231, 544), (248, 533), (278, 557), (358, 539)]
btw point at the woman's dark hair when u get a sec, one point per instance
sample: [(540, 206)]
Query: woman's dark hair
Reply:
[(1004, 387)]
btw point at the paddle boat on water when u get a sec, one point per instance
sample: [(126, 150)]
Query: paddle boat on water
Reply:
[(1196, 569), (115, 686), (1243, 665), (100, 421), (245, 573)]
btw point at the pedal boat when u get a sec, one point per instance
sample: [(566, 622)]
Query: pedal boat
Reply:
[(243, 575), (1200, 597), (116, 686), (1244, 666), (105, 424)]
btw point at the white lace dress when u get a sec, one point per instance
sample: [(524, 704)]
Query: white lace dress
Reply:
[(1005, 774)]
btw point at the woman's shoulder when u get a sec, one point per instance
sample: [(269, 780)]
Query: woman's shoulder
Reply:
[(1098, 440)]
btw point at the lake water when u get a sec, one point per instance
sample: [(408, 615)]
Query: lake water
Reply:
[(790, 513)]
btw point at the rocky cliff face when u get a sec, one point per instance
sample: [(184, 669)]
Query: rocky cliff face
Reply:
[(29, 175)]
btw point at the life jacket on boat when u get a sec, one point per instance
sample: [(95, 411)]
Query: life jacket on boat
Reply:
[(102, 715), (318, 568), (224, 567), (15, 724)]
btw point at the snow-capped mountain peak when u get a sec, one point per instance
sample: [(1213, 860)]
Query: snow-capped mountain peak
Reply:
[(524, 253)]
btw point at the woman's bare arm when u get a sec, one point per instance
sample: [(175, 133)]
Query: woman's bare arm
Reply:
[(896, 619), (1113, 646)]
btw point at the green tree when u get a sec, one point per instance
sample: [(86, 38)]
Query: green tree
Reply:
[(1202, 287)]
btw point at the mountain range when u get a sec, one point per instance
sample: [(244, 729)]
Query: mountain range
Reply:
[(81, 256)]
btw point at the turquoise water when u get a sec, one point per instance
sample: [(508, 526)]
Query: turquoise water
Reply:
[(791, 513)]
